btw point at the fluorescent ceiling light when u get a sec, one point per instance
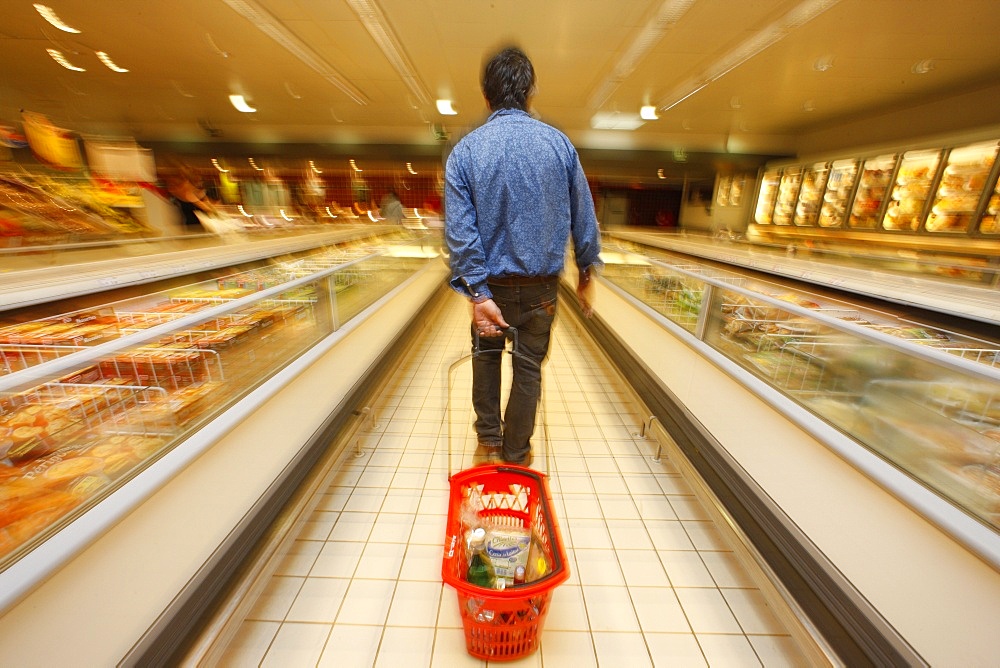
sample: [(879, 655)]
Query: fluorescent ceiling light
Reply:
[(381, 31), (648, 113), (445, 108), (614, 120), (798, 16), (61, 59), (670, 12), (273, 28), (49, 15), (106, 59), (241, 104)]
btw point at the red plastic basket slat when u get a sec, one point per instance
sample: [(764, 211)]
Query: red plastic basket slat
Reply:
[(503, 624)]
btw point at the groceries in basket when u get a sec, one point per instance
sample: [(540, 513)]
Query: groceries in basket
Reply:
[(538, 565), (498, 540), (480, 571)]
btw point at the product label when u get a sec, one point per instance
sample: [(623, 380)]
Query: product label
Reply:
[(508, 548)]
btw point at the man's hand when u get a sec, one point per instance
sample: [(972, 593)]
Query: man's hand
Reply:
[(584, 292), (487, 319)]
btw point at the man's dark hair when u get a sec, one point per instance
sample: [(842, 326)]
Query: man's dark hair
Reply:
[(508, 80)]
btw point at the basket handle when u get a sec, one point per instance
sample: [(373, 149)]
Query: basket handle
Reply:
[(546, 511), (508, 332)]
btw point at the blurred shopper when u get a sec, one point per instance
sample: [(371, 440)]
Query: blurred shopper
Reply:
[(391, 208), (190, 197), (514, 194)]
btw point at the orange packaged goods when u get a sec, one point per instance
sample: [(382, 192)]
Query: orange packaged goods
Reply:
[(505, 623)]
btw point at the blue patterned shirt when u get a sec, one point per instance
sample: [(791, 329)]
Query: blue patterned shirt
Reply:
[(514, 194)]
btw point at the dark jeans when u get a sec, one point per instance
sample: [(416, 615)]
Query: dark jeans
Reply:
[(529, 308)]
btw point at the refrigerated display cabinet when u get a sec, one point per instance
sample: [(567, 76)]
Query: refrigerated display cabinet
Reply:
[(91, 397), (990, 223), (914, 179), (963, 182), (839, 188), (868, 202), (902, 199), (788, 192), (767, 194), (814, 178), (923, 399), (855, 450)]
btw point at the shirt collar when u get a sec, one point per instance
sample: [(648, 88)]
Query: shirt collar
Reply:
[(506, 112)]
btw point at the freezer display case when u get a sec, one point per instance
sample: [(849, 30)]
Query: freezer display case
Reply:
[(788, 192), (766, 197), (963, 181), (917, 171), (924, 399), (37, 209), (814, 178), (990, 223), (91, 397), (876, 175), (839, 187)]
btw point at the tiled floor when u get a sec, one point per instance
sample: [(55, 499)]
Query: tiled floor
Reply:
[(652, 580)]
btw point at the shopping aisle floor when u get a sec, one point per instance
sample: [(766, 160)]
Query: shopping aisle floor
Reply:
[(652, 581)]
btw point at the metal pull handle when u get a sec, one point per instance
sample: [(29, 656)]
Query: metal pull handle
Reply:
[(508, 333)]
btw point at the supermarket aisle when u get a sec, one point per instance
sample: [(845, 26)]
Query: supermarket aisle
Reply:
[(652, 579)]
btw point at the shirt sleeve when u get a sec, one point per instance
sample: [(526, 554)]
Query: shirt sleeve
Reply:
[(465, 246), (583, 220)]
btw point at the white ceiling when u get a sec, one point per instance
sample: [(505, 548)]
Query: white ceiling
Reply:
[(186, 56)]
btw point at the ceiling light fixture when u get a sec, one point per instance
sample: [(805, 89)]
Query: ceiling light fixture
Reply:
[(670, 12), (409, 168), (273, 28), (648, 112), (823, 63), (254, 165), (355, 167), (660, 174), (381, 31), (215, 47), (445, 109), (240, 103), (615, 120), (285, 215), (49, 15), (180, 90), (244, 211), (61, 59), (215, 163), (330, 213), (106, 59), (798, 16), (312, 166)]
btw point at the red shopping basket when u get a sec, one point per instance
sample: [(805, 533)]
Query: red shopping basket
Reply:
[(505, 624)]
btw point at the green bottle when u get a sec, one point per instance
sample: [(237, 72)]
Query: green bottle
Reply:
[(480, 571)]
